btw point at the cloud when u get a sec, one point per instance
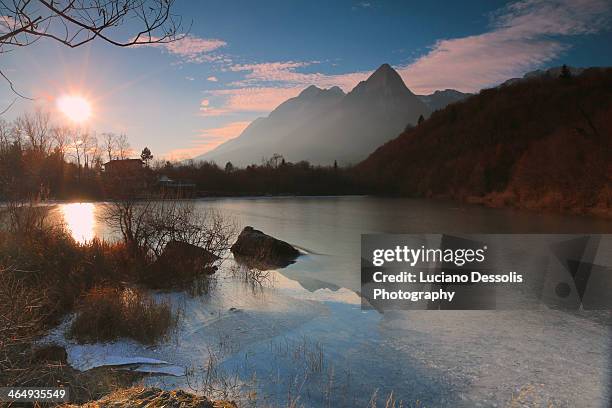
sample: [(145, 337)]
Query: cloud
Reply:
[(524, 35), (286, 74), (191, 48), (208, 139), (254, 100), (271, 71), (212, 79), (267, 85), (362, 5)]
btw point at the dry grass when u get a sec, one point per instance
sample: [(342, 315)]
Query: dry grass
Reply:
[(155, 398), (107, 313), (22, 320), (84, 386), (44, 275)]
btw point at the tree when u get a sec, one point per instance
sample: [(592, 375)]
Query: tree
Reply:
[(74, 23), (78, 148), (109, 141), (421, 119), (146, 156), (123, 146), (6, 134), (275, 160), (36, 130), (565, 72), (61, 137), (335, 165), (229, 167), (90, 149)]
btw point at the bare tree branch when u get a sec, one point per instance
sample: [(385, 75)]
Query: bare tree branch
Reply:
[(77, 22)]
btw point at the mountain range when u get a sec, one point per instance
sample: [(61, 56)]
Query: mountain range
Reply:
[(326, 125)]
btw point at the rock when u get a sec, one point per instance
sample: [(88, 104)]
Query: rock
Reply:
[(255, 248), (154, 398), (180, 263), (184, 252), (50, 353)]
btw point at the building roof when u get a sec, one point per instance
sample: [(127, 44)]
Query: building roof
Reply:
[(116, 161)]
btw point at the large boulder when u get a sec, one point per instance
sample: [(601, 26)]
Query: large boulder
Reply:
[(255, 248), (180, 263)]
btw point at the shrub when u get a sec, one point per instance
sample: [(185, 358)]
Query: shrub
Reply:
[(146, 226), (43, 275), (107, 313)]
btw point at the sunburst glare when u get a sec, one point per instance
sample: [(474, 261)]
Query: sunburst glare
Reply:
[(80, 220), (75, 107)]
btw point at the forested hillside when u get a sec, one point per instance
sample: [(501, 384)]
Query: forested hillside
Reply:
[(541, 143)]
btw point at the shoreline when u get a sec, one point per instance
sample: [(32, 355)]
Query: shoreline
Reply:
[(472, 201)]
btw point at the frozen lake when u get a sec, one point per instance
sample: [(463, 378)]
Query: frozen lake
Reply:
[(302, 336)]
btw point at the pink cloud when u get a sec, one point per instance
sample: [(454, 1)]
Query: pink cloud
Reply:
[(271, 71), (191, 48), (286, 73), (519, 41), (256, 99), (207, 140), (256, 94), (471, 63)]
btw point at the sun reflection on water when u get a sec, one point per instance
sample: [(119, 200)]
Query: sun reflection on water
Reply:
[(80, 220)]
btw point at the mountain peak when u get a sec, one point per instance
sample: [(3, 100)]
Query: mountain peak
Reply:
[(385, 75), (384, 79), (312, 90), (336, 90), (385, 68)]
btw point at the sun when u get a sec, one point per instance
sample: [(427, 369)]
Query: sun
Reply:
[(75, 107)]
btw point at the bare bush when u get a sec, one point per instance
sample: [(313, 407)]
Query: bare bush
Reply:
[(21, 320), (147, 226), (106, 314)]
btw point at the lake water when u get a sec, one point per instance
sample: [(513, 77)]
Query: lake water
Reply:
[(302, 336)]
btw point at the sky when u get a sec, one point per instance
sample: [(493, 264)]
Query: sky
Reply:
[(240, 59)]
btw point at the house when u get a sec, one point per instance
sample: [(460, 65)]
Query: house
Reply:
[(124, 168), (125, 177), (178, 187)]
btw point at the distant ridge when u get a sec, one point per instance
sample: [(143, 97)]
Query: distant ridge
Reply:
[(553, 72), (327, 125), (441, 99)]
